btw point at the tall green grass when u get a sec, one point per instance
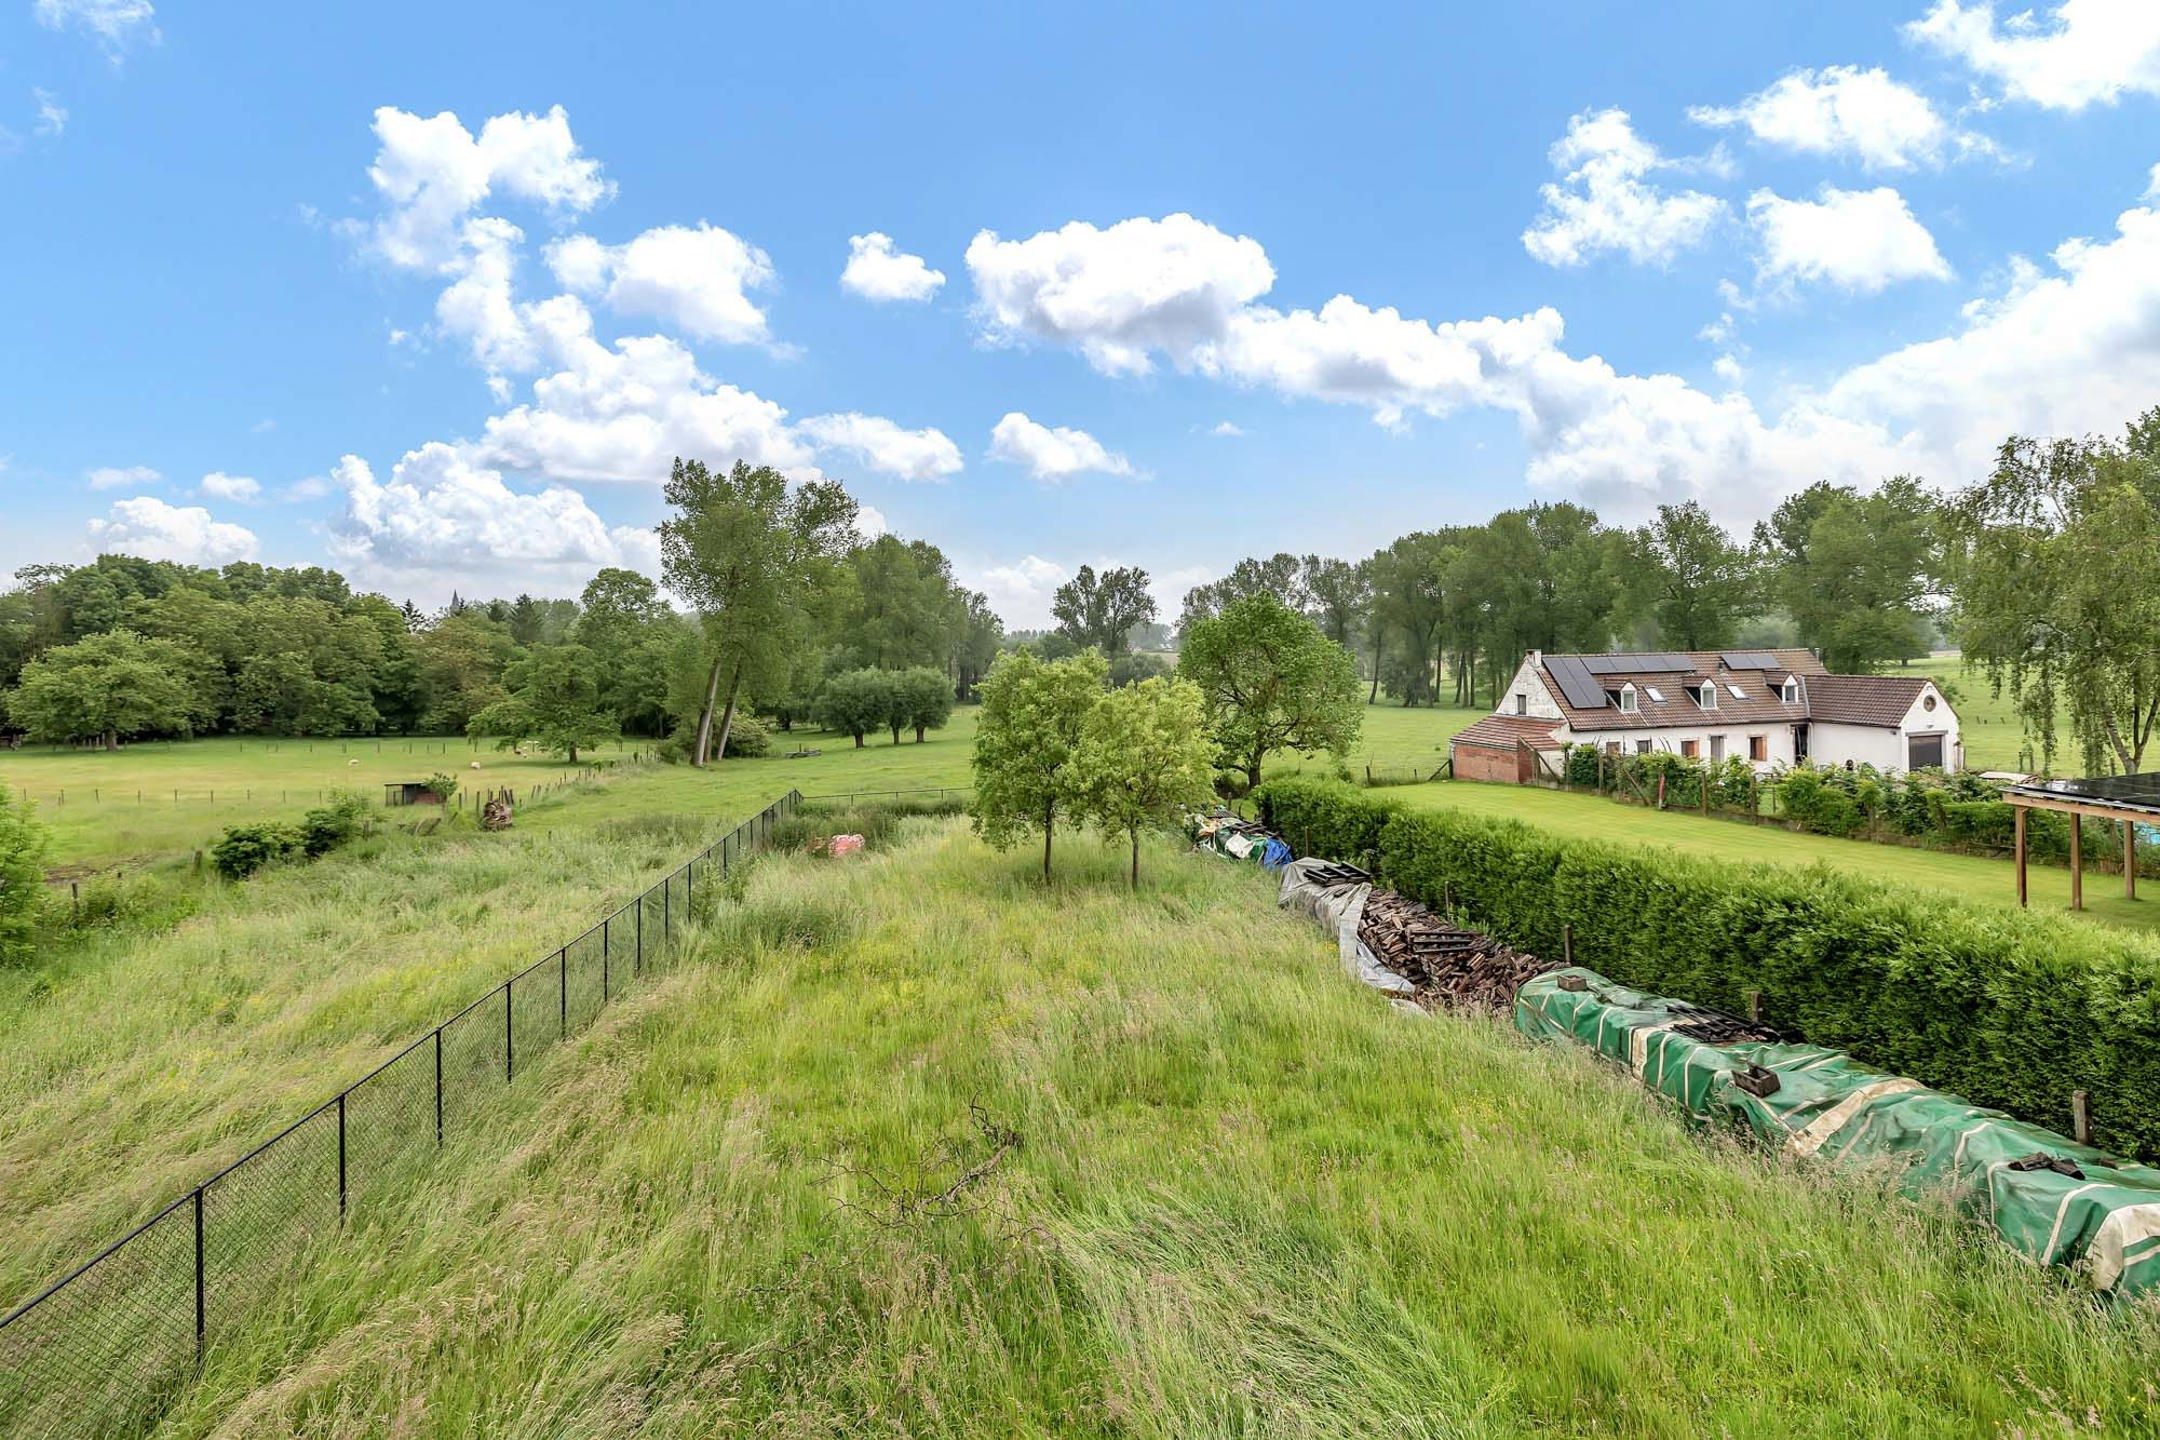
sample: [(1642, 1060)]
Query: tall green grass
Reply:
[(924, 1148)]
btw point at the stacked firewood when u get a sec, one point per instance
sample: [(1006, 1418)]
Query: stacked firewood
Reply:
[(1460, 969), (496, 813)]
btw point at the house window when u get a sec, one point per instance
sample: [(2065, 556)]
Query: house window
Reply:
[(1612, 747), (1642, 747), (1758, 748), (1522, 703), (1627, 700), (1689, 749), (1792, 691), (1709, 695), (1717, 747)]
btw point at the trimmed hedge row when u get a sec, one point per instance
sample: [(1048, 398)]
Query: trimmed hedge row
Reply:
[(2009, 1010)]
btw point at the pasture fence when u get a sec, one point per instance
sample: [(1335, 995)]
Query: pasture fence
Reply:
[(104, 1349)]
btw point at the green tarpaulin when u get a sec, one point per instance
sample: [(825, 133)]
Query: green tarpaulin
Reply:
[(2055, 1201)]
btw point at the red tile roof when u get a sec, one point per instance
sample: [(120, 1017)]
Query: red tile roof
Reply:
[(1879, 700), (1505, 732)]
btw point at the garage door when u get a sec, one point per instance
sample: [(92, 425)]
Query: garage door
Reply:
[(1925, 750)]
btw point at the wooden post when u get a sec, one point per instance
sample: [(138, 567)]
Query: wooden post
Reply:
[(2077, 861), (1567, 944), (2081, 1117), (2018, 828), (2129, 861), (1754, 1006)]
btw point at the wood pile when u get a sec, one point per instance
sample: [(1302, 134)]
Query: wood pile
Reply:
[(1460, 969), (497, 812)]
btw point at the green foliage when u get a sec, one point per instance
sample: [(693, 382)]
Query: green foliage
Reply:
[(1102, 610), (112, 686), (326, 827), (1855, 571), (748, 737), (23, 845), (554, 700), (1026, 741), (444, 785), (1271, 681), (2004, 1008), (1144, 755), (923, 699), (1131, 669), (856, 702), (245, 849), (1692, 578), (2055, 558)]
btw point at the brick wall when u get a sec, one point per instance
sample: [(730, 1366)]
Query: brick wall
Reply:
[(1484, 762)]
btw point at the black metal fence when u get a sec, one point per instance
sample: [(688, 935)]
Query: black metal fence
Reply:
[(103, 1350)]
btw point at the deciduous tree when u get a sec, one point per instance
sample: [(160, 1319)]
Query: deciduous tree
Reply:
[(1271, 681), (1099, 610), (554, 700), (1026, 741), (112, 687), (1144, 755)]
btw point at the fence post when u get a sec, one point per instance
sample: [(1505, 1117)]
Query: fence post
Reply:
[(341, 1157), (562, 992), (2081, 1117), (201, 1305), (637, 955), (604, 958), (509, 1039), (1567, 944), (438, 1085)]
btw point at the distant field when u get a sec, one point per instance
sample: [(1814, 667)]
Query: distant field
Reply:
[(1225, 1192), (157, 798), (1970, 877)]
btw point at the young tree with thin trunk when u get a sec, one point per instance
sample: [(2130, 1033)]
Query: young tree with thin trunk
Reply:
[(749, 551), (1026, 741), (1144, 756)]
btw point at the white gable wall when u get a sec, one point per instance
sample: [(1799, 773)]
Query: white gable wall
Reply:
[(1529, 682), (1886, 749)]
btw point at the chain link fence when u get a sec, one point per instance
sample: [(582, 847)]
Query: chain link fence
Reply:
[(104, 1349)]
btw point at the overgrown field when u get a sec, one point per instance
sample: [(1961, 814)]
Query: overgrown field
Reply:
[(927, 1150)]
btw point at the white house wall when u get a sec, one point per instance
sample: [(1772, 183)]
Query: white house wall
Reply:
[(1529, 683), (1831, 744), (1778, 734), (1920, 720)]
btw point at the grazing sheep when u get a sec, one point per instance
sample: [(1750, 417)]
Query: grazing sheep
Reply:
[(352, 762), (476, 764)]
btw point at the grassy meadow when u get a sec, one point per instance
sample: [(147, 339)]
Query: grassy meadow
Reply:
[(927, 1149)]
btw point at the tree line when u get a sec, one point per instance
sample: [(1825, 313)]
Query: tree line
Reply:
[(2046, 573), (785, 596)]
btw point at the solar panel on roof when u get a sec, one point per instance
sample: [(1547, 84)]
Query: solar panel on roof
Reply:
[(1749, 660), (1663, 662), (1576, 682)]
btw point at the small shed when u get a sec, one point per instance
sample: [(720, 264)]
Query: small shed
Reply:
[(410, 792), (2126, 800)]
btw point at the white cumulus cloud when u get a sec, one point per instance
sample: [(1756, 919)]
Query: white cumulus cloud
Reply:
[(1021, 592), (118, 477), (1604, 202), (1842, 110), (1052, 452), (1859, 240), (877, 271), (696, 279), (433, 173), (1116, 293), (148, 527), (441, 513), (927, 454), (220, 486), (2084, 52)]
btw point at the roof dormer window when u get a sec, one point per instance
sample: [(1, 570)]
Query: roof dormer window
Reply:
[(1709, 694), (1792, 690), (1627, 698)]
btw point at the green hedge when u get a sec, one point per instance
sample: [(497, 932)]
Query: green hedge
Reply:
[(2006, 1009)]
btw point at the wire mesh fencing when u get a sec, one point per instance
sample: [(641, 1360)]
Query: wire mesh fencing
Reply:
[(105, 1349)]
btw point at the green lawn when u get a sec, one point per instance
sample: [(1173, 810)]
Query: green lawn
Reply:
[(928, 1150), (1970, 877)]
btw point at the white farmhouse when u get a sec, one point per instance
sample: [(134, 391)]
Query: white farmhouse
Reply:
[(1769, 707)]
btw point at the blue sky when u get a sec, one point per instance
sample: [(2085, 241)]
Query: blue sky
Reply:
[(432, 293)]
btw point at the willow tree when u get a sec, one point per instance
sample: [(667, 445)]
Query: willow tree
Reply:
[(2056, 564), (749, 551)]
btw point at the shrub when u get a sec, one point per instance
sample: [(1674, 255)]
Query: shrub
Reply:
[(444, 785), (747, 736), (327, 827), (2007, 1009), (248, 848), (23, 841)]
